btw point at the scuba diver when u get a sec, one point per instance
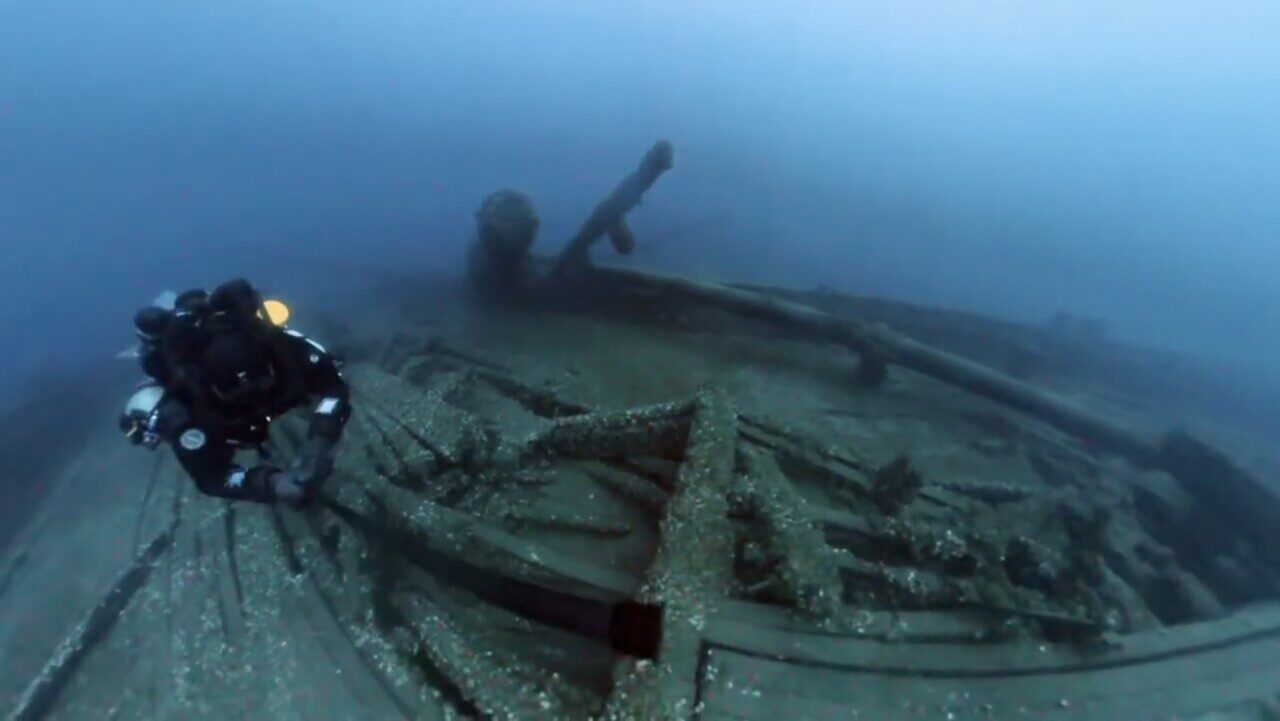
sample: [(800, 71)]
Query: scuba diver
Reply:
[(222, 365)]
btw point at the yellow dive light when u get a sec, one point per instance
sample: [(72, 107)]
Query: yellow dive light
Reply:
[(276, 312)]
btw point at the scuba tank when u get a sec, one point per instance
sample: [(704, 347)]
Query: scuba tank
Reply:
[(223, 354), (174, 338)]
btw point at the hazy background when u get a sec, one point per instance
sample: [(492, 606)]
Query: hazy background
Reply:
[(1112, 159)]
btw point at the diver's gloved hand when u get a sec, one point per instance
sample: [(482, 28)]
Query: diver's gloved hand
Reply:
[(301, 482)]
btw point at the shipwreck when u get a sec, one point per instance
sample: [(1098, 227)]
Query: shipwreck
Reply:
[(602, 492)]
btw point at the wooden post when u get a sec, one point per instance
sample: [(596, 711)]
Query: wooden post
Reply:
[(609, 217)]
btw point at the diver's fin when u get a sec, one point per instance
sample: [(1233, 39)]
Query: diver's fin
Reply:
[(131, 353)]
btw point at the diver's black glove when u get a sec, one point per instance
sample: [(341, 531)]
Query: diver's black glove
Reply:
[(310, 468)]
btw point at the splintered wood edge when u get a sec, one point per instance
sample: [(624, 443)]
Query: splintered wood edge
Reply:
[(691, 571)]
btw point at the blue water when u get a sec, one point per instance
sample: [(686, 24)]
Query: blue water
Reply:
[(1117, 162)]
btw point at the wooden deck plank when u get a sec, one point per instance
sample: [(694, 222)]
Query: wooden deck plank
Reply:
[(753, 687), (979, 659)]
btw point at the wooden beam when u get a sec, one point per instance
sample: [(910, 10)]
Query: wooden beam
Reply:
[(1207, 474), (692, 571), (609, 217)]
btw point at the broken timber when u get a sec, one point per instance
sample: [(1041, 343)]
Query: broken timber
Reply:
[(1208, 475), (691, 574), (657, 430)]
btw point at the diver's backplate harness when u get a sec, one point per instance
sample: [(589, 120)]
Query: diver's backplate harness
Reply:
[(172, 333), (223, 366)]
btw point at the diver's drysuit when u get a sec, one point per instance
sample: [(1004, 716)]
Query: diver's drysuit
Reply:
[(222, 371)]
